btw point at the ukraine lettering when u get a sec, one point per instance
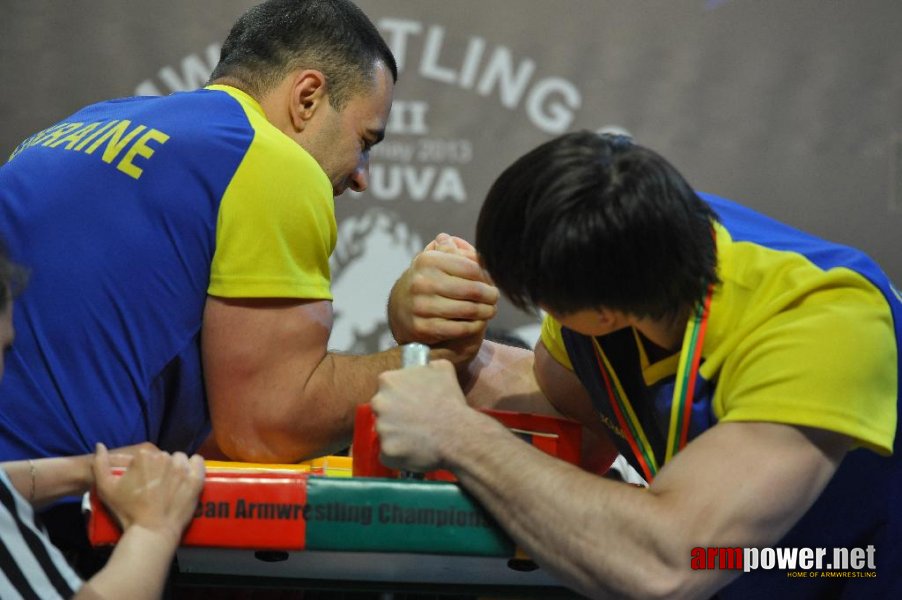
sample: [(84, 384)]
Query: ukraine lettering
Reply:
[(123, 144)]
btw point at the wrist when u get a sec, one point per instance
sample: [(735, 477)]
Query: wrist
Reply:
[(85, 472), (466, 438), (52, 478), (390, 314), (160, 536), (468, 370)]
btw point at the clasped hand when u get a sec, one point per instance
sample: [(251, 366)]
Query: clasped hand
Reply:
[(158, 491), (444, 299), (417, 409)]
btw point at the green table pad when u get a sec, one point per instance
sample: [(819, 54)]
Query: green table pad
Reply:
[(392, 515)]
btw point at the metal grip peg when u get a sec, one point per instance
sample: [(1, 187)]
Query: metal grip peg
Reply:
[(413, 355)]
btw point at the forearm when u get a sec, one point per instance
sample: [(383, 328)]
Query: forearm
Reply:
[(394, 308), (44, 480), (275, 393), (737, 485), (601, 537), (339, 384), (740, 484), (137, 569), (305, 416), (501, 377)]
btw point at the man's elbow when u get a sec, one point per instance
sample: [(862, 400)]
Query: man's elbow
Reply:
[(653, 578), (672, 583), (281, 442), (250, 447), (644, 586)]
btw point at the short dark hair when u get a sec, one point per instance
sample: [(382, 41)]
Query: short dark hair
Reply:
[(12, 278), (587, 221), (332, 36)]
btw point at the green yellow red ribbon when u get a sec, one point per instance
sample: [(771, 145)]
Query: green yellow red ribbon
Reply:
[(683, 391)]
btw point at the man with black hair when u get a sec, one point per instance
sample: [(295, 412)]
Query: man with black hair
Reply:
[(180, 250), (749, 371), (188, 234)]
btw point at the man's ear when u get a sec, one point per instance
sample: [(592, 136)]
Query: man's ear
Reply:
[(611, 319), (308, 93)]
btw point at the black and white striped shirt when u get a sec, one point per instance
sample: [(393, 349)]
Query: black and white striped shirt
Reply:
[(30, 565)]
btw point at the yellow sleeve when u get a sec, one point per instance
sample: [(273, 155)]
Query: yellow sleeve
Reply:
[(554, 342), (828, 362), (276, 227)]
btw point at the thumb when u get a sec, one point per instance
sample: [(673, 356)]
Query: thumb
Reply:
[(101, 467)]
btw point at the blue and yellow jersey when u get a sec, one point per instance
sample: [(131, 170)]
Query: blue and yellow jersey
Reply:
[(128, 213), (801, 332)]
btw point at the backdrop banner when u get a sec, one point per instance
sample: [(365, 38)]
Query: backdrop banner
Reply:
[(792, 108)]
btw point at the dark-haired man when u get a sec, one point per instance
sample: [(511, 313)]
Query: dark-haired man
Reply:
[(747, 370), (182, 243)]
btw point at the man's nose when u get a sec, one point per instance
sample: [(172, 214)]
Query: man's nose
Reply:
[(360, 178)]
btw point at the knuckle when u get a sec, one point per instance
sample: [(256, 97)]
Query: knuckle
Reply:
[(419, 306), (475, 311), (391, 448)]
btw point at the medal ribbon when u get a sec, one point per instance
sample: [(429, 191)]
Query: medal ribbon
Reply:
[(683, 390)]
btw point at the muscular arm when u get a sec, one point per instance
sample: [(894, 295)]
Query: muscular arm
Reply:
[(275, 393), (720, 491)]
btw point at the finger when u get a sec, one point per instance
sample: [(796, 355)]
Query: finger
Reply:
[(198, 466), (443, 366), (465, 248), (451, 287), (451, 263), (179, 459), (462, 244), (443, 306), (192, 471), (459, 269), (437, 330), (447, 245), (434, 244), (101, 466), (134, 449), (118, 459)]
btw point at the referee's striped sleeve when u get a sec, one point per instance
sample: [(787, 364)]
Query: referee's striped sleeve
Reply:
[(30, 565)]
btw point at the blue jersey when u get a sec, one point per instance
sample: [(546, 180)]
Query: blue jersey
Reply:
[(128, 213)]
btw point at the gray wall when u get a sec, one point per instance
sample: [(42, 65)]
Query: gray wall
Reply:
[(793, 108)]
